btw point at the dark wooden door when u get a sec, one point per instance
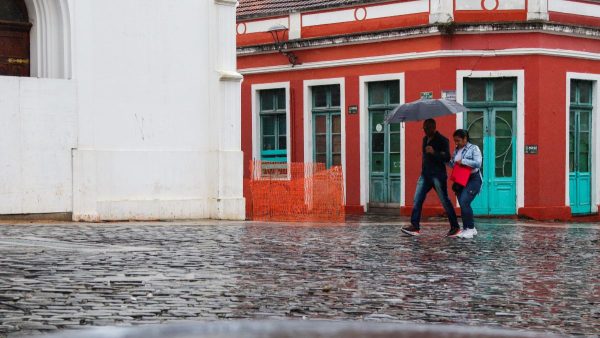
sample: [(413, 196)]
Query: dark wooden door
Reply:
[(14, 38)]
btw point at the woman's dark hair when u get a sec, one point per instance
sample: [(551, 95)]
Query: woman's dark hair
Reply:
[(462, 133)]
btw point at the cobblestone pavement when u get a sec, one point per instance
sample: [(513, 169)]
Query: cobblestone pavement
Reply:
[(543, 277)]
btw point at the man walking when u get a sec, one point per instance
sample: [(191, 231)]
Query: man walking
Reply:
[(436, 153)]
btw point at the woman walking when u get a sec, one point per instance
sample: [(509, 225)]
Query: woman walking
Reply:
[(467, 154)]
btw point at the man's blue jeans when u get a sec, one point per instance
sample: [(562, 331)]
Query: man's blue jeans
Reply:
[(424, 185)]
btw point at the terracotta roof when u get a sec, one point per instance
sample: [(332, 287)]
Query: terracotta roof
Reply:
[(265, 8)]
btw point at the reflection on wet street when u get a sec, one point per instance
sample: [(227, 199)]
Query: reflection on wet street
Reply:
[(513, 275)]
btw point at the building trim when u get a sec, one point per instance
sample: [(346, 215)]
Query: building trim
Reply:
[(308, 118), (256, 117), (520, 146), (421, 31), (595, 160), (364, 131), (423, 55)]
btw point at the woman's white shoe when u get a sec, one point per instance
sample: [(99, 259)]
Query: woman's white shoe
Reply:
[(468, 233)]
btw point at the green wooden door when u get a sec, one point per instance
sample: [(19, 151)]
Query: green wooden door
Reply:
[(491, 124), (384, 146), (580, 136)]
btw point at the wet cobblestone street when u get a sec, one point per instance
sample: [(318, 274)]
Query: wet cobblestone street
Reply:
[(543, 277)]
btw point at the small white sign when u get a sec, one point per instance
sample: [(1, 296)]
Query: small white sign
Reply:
[(449, 95), (379, 127)]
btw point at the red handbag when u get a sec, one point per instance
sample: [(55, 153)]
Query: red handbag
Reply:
[(460, 174)]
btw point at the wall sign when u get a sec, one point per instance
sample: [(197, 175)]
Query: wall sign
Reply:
[(531, 149), (426, 95), (352, 109), (449, 95)]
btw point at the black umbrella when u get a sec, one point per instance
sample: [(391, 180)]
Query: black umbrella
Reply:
[(424, 109)]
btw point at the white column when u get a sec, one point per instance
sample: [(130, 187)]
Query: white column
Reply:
[(228, 201), (441, 11), (537, 10), (295, 31)]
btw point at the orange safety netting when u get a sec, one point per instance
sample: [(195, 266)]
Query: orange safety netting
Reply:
[(296, 192)]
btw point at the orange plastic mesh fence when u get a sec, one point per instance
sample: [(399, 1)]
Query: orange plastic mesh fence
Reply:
[(296, 192)]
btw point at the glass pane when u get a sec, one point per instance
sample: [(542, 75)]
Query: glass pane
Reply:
[(475, 89), (504, 123), (584, 162), (394, 87), (377, 93), (503, 157), (268, 125), (268, 143), (336, 143), (573, 91), (378, 142), (377, 122), (321, 158), (584, 151), (282, 143), (320, 96), (394, 127), (377, 164), (11, 11), (335, 96), (395, 143), (321, 144), (584, 121), (281, 99), (320, 124), (266, 100), (475, 127), (282, 125), (585, 92), (336, 159), (503, 89), (394, 163), (336, 124)]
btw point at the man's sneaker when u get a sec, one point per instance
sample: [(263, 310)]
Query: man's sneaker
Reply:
[(454, 232), (468, 233), (474, 232), (411, 231)]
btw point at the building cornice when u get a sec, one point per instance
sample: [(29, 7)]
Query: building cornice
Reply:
[(429, 30), (421, 56)]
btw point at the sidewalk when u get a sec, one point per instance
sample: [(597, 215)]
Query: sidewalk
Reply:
[(535, 276)]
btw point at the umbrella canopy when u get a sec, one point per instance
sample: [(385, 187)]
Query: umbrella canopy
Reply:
[(424, 109)]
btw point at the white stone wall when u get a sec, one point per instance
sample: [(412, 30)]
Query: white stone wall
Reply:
[(156, 99)]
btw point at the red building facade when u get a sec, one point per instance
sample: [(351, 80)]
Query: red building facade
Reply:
[(529, 71)]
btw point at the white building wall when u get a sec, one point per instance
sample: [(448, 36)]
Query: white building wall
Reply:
[(149, 127)]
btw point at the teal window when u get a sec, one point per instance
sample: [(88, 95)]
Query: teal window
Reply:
[(273, 125), (327, 125)]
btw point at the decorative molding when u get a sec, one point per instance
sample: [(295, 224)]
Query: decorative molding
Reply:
[(229, 75), (424, 55), (226, 2), (50, 38), (422, 31)]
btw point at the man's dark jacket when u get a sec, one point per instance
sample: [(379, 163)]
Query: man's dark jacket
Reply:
[(435, 164)]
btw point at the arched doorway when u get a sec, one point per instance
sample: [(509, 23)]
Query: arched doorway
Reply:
[(14, 38)]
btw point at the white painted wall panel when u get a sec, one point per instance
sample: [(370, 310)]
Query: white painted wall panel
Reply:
[(403, 8), (574, 7), (38, 132), (471, 5)]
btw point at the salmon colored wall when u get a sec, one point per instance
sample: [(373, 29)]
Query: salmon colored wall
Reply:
[(545, 100)]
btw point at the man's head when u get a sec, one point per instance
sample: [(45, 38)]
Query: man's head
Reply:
[(429, 127)]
